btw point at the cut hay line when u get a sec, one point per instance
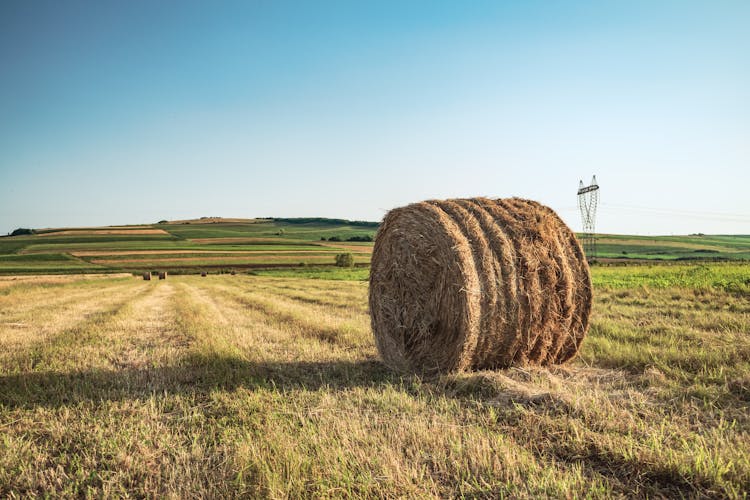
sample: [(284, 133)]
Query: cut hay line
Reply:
[(71, 312), (53, 279), (325, 325), (472, 284)]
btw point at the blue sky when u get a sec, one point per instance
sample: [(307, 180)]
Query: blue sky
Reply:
[(129, 112)]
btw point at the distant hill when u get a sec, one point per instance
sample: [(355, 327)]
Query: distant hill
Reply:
[(220, 243), (189, 245), (288, 220)]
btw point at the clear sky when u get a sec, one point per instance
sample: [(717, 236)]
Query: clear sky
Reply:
[(118, 112)]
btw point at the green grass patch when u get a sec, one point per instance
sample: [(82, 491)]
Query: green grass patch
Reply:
[(729, 277), (323, 273)]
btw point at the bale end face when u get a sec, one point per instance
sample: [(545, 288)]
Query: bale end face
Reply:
[(477, 284)]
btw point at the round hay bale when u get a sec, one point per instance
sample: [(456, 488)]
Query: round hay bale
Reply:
[(472, 284), (147, 276), (163, 275), (203, 274)]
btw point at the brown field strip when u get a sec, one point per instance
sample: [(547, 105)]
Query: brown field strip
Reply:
[(351, 248), (100, 232), (253, 240)]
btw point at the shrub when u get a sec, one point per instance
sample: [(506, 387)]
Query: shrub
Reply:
[(22, 231), (334, 238), (345, 260), (366, 237)]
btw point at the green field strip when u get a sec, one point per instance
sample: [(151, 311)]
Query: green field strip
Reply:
[(211, 256), (179, 245), (44, 263), (240, 261)]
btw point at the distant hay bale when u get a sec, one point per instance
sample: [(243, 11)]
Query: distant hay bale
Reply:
[(163, 275), (203, 274), (471, 284), (147, 276)]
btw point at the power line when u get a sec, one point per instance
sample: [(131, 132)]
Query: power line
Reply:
[(719, 216)]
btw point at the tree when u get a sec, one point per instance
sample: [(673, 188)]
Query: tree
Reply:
[(345, 260)]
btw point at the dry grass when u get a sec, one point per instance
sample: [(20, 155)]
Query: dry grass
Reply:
[(253, 386), (42, 280)]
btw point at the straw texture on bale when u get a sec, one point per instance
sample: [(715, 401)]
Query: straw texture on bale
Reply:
[(471, 284)]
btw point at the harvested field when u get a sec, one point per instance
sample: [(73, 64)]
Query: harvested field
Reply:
[(254, 386), (362, 248), (102, 232), (41, 280), (250, 241)]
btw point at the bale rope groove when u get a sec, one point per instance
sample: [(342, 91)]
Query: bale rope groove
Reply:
[(479, 283)]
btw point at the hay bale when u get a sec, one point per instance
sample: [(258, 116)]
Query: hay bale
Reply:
[(162, 275), (147, 276), (203, 274), (471, 284)]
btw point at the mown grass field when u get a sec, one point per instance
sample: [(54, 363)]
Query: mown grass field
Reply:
[(271, 386)]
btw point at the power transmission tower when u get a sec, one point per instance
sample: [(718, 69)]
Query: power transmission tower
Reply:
[(588, 198)]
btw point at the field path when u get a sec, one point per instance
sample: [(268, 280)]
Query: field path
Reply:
[(146, 333)]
